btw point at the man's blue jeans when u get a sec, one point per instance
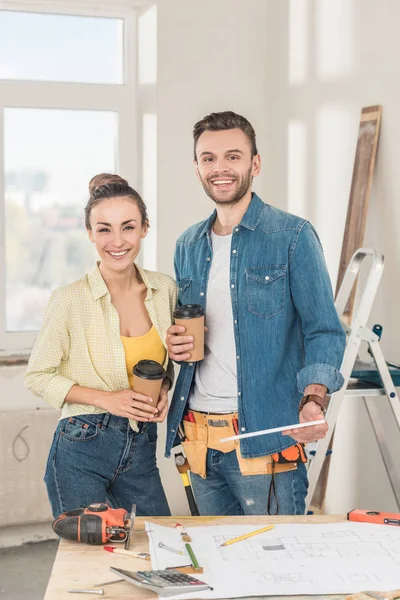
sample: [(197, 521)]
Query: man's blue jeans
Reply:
[(226, 491), (99, 458)]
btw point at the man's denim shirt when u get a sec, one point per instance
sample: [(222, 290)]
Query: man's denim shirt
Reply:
[(287, 332)]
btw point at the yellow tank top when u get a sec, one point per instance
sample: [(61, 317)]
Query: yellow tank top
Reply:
[(142, 347)]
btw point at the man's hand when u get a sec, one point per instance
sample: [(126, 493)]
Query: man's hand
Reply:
[(310, 412), (178, 345), (162, 405)]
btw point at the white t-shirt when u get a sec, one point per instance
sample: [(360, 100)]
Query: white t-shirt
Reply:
[(215, 384)]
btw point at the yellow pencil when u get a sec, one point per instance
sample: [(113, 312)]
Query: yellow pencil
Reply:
[(247, 535)]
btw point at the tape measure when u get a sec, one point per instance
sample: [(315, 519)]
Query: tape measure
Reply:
[(374, 516)]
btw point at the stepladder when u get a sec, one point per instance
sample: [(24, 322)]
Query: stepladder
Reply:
[(378, 391)]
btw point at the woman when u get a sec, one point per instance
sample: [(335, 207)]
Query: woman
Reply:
[(94, 331)]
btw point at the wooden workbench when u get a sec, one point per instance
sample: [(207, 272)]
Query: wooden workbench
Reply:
[(79, 566)]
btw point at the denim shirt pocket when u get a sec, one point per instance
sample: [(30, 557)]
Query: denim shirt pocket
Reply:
[(265, 289), (184, 290)]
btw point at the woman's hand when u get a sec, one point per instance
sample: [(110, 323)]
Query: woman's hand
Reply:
[(162, 403), (129, 404)]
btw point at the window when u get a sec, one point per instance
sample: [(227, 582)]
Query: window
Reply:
[(69, 108), (48, 158), (43, 47)]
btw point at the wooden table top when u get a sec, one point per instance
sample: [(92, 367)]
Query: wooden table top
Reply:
[(80, 566)]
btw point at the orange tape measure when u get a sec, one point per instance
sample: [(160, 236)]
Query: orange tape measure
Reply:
[(374, 516)]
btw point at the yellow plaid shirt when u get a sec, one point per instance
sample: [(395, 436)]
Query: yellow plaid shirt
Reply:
[(80, 341)]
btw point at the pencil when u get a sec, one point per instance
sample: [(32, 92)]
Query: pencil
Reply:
[(192, 556), (142, 555), (247, 535), (184, 535)]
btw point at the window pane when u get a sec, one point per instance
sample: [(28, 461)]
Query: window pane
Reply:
[(42, 47), (50, 156)]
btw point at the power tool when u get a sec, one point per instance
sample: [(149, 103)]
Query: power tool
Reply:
[(96, 524)]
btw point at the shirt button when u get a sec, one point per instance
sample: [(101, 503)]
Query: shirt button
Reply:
[(190, 364), (237, 357), (235, 322), (243, 429), (172, 430), (201, 293), (233, 251), (240, 393), (208, 259), (267, 278), (182, 397), (233, 285), (236, 228)]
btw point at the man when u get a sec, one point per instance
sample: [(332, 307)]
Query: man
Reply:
[(274, 342)]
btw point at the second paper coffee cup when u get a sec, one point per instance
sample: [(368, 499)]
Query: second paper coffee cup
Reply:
[(148, 376), (191, 316)]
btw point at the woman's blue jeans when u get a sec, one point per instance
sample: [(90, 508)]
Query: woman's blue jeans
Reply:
[(99, 458)]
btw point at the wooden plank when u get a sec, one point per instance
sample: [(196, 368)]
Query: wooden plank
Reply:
[(360, 191), (364, 163), (80, 566)]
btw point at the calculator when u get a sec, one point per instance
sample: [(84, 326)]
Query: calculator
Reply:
[(164, 583)]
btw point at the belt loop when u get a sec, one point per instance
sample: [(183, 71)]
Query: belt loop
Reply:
[(106, 419)]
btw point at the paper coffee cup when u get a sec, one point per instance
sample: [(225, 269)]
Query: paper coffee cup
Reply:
[(191, 316), (148, 376)]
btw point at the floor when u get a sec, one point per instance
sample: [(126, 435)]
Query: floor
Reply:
[(25, 570)]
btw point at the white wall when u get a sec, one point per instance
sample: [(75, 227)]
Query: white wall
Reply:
[(211, 58)]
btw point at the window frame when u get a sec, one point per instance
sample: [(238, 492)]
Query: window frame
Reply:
[(123, 99)]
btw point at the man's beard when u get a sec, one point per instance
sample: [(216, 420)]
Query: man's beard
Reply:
[(242, 190)]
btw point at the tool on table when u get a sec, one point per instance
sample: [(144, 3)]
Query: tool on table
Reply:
[(247, 535), (192, 556), (108, 583), (184, 535), (384, 595), (182, 465), (164, 583), (165, 547), (374, 516), (376, 595), (273, 430), (142, 555), (96, 524), (187, 569), (97, 592)]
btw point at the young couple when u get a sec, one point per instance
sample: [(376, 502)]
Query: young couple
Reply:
[(273, 348)]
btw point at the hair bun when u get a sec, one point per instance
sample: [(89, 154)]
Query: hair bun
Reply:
[(104, 179)]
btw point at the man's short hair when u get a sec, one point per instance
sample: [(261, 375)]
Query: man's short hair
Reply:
[(222, 121)]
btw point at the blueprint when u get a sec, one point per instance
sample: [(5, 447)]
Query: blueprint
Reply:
[(306, 559)]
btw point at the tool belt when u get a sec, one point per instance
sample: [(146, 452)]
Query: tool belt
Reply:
[(201, 431)]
